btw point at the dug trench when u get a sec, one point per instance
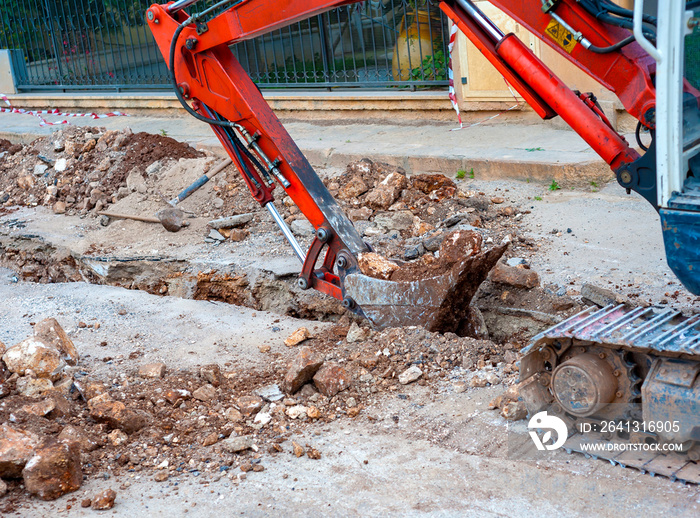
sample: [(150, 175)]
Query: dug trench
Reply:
[(167, 383), (78, 173)]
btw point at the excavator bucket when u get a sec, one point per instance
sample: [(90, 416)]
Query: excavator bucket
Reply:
[(438, 303)]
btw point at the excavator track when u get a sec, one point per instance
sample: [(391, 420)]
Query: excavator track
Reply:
[(638, 368)]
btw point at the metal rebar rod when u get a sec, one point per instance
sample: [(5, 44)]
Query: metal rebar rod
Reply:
[(286, 231)]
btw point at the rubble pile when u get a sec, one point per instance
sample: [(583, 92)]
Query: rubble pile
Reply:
[(407, 218), (75, 170), (59, 424)]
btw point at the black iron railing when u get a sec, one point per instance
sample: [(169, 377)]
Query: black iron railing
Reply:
[(106, 44)]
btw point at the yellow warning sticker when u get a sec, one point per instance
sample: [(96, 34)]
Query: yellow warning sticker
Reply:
[(562, 36)]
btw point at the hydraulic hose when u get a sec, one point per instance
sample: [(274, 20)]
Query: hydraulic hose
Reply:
[(176, 88)]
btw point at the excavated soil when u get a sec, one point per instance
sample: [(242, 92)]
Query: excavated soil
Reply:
[(478, 346), (96, 164)]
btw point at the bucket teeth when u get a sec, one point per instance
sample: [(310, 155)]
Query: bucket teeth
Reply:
[(437, 303)]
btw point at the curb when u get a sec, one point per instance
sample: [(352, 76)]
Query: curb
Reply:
[(573, 174)]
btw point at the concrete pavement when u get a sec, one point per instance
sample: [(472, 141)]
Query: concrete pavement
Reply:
[(540, 152)]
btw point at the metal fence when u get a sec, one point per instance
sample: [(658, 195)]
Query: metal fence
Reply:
[(106, 44)]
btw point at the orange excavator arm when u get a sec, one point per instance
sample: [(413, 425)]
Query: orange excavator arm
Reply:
[(206, 74)]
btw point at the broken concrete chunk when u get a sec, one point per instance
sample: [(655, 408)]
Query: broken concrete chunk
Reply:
[(302, 369), (375, 265), (40, 169), (460, 244), (33, 387), (215, 235), (296, 411), (54, 470), (249, 405), (60, 165), (270, 392), (231, 221), (154, 168), (135, 181), (433, 241), (331, 379), (116, 415), (352, 189), (104, 500), (211, 373), (237, 444), (514, 411), (152, 370), (356, 334), (600, 296), (410, 375), (72, 434), (387, 192), (16, 448), (302, 228), (297, 337), (262, 418), (205, 393), (399, 220), (414, 252), (36, 355), (516, 277)]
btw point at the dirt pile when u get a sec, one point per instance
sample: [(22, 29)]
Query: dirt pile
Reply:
[(406, 218), (78, 169), (213, 422)]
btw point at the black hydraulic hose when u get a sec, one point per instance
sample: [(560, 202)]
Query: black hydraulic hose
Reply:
[(176, 88), (626, 13), (611, 48), (238, 145), (626, 24), (248, 154), (639, 137)]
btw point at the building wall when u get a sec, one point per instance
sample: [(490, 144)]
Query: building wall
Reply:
[(479, 87)]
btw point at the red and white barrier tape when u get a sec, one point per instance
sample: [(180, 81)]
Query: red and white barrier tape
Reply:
[(44, 122), (450, 74), (451, 89)]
